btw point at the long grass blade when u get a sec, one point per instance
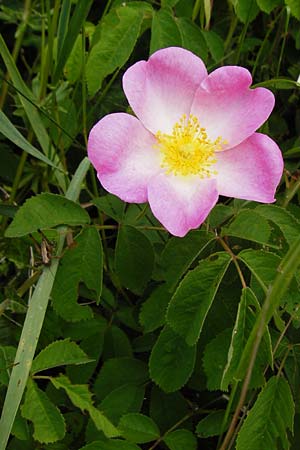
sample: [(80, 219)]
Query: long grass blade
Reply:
[(77, 21), (31, 112), (10, 131)]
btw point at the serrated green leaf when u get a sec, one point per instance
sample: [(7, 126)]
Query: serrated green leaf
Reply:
[(81, 263), (46, 211), (48, 422), (171, 361), (180, 253), (262, 264), (79, 394), (119, 32), (111, 205), (214, 359), (21, 429), (265, 266), (288, 224), (292, 371), (245, 319), (294, 5), (219, 214), (119, 371), (268, 5), (102, 423), (211, 425), (246, 10), (270, 417), (59, 353), (153, 311), (181, 439), (138, 428), (194, 296), (134, 258), (116, 343), (250, 225), (164, 31), (124, 399), (191, 37), (73, 65), (115, 444), (81, 397), (215, 44)]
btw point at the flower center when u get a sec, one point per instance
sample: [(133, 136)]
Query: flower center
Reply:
[(187, 150)]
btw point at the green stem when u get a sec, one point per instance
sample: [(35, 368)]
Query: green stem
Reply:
[(17, 46), (287, 20), (233, 24), (84, 96), (228, 410), (289, 194), (265, 41), (196, 9)]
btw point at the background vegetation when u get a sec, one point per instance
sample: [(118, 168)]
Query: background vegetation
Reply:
[(98, 301)]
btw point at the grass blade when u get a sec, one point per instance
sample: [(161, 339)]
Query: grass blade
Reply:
[(11, 133), (31, 111), (77, 20)]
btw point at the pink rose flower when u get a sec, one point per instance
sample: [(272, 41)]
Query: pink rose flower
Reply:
[(193, 139)]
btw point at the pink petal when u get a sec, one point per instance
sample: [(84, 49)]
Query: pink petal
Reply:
[(122, 152), (251, 170), (181, 203), (161, 89), (226, 106)]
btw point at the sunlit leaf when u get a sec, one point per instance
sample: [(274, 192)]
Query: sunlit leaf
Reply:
[(81, 397), (59, 353), (48, 422), (46, 211)]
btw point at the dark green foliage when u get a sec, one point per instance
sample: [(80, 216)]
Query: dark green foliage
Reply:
[(115, 335)]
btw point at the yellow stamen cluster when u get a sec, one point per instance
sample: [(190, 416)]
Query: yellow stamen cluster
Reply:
[(187, 150)]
